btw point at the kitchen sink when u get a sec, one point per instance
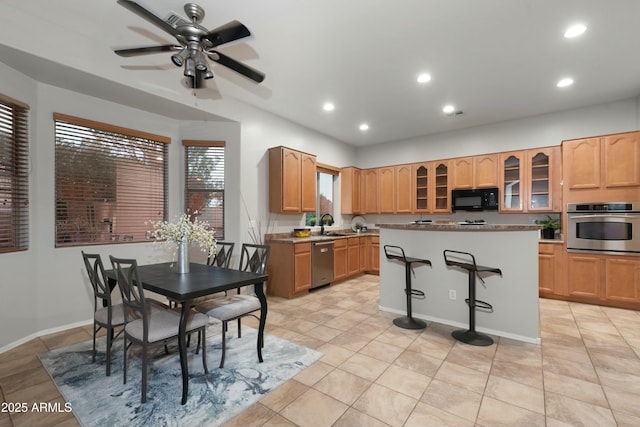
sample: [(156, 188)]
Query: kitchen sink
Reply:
[(339, 234)]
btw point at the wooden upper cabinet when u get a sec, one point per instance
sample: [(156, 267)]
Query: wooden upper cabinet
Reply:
[(622, 160), (440, 186), (543, 180), (350, 191), (387, 189), (463, 172), (530, 180), (292, 181), (476, 171), (512, 181), (308, 180), (403, 185), (581, 163), (601, 168), (369, 193), (421, 197)]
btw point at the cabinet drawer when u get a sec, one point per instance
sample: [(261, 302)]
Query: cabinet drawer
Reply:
[(546, 248), (340, 243), (301, 248)]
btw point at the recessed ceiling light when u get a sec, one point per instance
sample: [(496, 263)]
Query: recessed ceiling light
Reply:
[(448, 109), (424, 78), (565, 82), (328, 106), (364, 127), (575, 31)]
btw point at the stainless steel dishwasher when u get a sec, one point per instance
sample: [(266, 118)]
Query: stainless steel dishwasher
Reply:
[(321, 263)]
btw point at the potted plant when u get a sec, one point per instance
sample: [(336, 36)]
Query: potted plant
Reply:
[(549, 227)]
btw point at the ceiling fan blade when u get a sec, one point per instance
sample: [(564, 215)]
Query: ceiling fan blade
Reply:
[(226, 33), (146, 14), (136, 51), (236, 66)]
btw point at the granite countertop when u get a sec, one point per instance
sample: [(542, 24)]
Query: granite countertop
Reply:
[(333, 235), (462, 227)]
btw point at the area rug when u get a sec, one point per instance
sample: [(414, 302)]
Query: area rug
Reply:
[(214, 398)]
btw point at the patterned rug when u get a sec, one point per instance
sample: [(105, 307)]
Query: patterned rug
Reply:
[(214, 398)]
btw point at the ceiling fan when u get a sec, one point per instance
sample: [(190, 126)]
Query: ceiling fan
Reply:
[(196, 43)]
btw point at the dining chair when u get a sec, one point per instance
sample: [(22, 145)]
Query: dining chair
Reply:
[(222, 257), (105, 314), (147, 323), (254, 258)]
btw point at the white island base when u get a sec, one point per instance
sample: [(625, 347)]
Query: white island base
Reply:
[(514, 296)]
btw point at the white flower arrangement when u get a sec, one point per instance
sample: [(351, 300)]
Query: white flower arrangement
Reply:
[(185, 230)]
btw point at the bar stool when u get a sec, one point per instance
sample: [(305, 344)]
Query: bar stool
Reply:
[(461, 260), (397, 253)]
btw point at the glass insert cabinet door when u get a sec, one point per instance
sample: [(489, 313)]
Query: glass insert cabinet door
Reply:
[(442, 201), (512, 197), (526, 181), (422, 188), (430, 187), (539, 185)]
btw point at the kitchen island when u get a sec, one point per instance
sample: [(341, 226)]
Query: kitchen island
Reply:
[(514, 296)]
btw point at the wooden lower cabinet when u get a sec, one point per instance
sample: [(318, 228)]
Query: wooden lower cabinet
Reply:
[(584, 274), (340, 260), (364, 252), (374, 254), (289, 269), (604, 279), (353, 256), (622, 279), (550, 269)]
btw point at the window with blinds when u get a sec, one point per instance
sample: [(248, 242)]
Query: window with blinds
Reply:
[(14, 176), (110, 182), (204, 192)]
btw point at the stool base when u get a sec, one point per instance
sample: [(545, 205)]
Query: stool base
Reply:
[(472, 337), (409, 323)]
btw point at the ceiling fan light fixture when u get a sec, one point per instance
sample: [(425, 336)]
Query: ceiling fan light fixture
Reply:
[(201, 62), (194, 40), (189, 67), (179, 58)]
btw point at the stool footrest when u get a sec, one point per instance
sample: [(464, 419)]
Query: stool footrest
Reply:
[(414, 292), (481, 305)]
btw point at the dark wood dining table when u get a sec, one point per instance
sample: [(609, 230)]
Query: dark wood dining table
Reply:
[(201, 280)]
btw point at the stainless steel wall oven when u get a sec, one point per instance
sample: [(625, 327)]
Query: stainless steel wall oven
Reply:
[(612, 228)]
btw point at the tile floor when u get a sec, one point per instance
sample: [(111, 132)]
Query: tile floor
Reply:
[(585, 373)]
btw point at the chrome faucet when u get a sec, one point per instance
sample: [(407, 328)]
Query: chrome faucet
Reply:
[(330, 222)]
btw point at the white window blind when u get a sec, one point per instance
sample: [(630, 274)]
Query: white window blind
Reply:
[(204, 192), (110, 182), (14, 176)]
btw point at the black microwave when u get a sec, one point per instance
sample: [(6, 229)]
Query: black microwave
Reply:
[(479, 199)]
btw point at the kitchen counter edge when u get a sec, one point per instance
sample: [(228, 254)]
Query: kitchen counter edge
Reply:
[(462, 227)]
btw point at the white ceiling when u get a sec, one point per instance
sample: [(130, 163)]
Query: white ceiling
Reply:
[(495, 60)]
